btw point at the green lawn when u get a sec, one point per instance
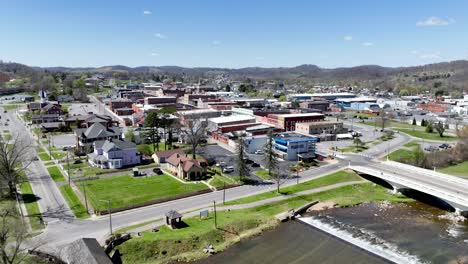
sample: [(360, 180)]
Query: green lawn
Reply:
[(411, 144), (424, 135), (76, 206), (44, 156), (49, 163), (11, 106), (337, 177), (32, 207), (126, 190), (56, 174), (187, 243), (457, 170), (218, 181), (262, 174), (393, 124), (40, 150), (7, 136), (59, 155), (401, 154)]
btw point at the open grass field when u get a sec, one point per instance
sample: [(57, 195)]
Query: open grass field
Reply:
[(424, 135), (401, 154), (56, 174), (126, 190), (457, 170), (219, 181), (337, 177), (76, 206), (32, 207), (186, 243)]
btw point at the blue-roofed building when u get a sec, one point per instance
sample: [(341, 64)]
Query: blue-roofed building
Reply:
[(295, 146)]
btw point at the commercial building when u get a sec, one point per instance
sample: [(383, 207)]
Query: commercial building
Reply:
[(321, 105), (160, 100), (326, 96), (321, 127), (198, 114), (215, 123), (119, 103), (287, 122), (295, 146)]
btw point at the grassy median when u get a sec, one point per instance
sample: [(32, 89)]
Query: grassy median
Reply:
[(32, 207), (56, 174), (73, 202)]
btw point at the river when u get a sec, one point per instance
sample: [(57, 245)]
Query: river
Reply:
[(368, 233)]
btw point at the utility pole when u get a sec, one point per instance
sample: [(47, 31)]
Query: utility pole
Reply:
[(224, 192), (68, 170), (110, 213), (214, 206), (85, 199)]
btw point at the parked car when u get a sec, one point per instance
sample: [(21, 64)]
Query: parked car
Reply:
[(255, 165), (248, 161), (228, 169), (5, 111), (259, 152), (77, 161), (219, 164), (431, 148), (35, 158), (158, 171), (445, 146)]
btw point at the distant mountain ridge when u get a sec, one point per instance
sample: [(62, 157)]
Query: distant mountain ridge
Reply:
[(458, 71)]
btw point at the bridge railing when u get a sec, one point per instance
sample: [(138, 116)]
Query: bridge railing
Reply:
[(413, 185), (439, 175)]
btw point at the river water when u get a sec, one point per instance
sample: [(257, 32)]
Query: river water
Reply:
[(369, 233)]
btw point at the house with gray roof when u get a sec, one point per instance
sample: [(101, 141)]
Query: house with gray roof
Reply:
[(85, 251), (114, 154), (85, 137)]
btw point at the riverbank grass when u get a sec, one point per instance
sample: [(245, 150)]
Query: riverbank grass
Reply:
[(460, 169), (187, 243), (337, 177)]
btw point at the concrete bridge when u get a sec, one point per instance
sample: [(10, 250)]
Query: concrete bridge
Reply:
[(451, 189)]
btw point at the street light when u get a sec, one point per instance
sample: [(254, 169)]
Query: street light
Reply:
[(109, 212)]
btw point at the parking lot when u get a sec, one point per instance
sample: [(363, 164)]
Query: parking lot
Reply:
[(63, 140)]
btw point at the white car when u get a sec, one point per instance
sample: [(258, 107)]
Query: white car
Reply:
[(219, 164), (228, 169), (259, 152)]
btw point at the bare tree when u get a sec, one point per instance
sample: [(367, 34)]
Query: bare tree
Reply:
[(195, 131), (242, 168), (270, 158), (13, 162), (279, 177), (13, 236)]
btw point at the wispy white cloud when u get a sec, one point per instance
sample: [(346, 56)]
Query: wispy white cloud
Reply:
[(434, 22), (216, 43), (160, 36), (368, 44), (154, 54), (430, 56), (348, 38), (147, 12)]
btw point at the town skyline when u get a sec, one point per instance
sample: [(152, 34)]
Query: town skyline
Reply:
[(234, 35)]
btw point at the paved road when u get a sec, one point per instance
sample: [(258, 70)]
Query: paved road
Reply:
[(51, 203), (67, 229)]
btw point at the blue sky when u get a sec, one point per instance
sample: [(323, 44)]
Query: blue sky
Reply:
[(240, 33)]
